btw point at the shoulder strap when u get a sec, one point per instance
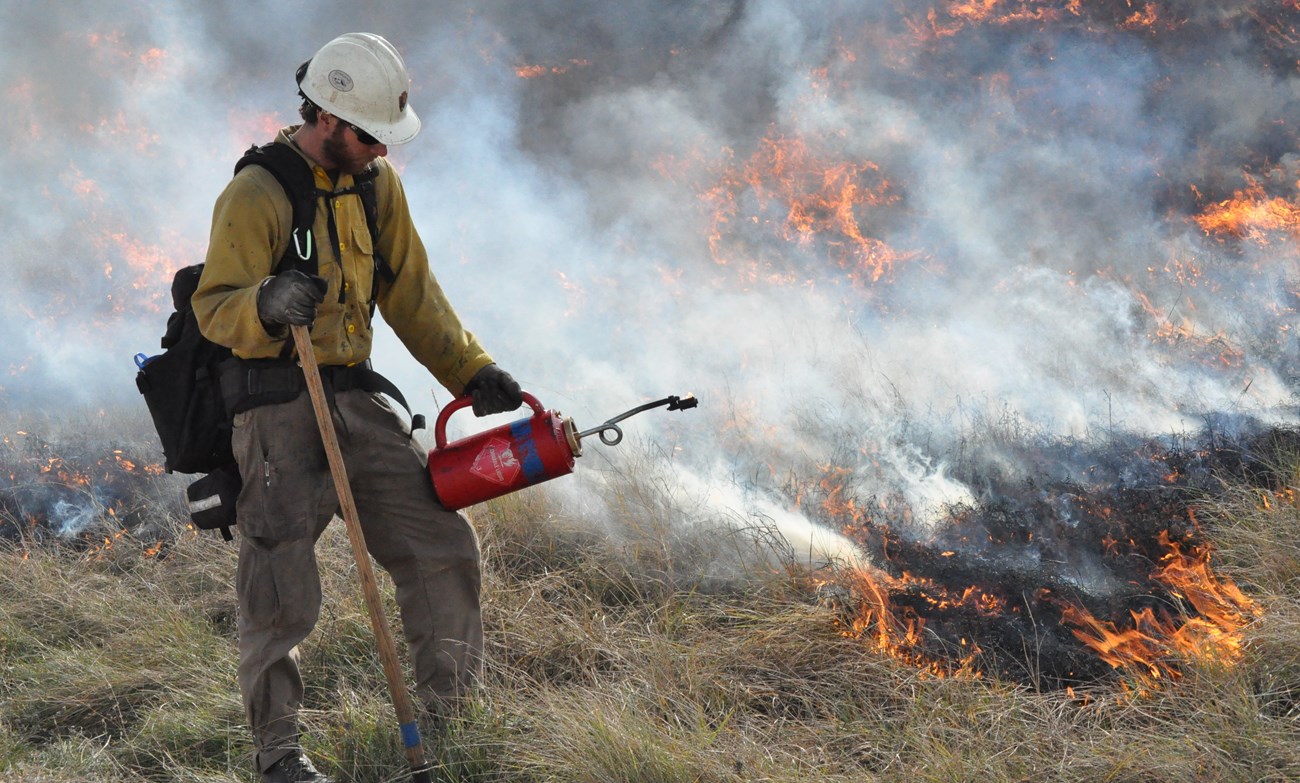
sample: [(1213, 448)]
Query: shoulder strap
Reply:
[(299, 183), (364, 183)]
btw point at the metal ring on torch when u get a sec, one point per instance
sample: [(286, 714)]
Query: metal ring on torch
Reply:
[(614, 440)]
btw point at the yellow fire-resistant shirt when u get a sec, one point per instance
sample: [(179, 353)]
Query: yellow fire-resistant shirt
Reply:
[(251, 229)]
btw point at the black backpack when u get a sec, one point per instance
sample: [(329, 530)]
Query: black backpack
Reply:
[(181, 386)]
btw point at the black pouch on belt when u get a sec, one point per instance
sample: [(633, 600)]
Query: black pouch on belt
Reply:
[(211, 500)]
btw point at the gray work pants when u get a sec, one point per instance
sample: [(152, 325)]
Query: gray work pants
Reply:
[(287, 500)]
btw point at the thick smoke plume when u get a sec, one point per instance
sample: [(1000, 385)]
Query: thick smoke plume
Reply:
[(869, 236)]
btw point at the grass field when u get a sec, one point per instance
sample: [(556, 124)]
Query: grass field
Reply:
[(619, 655)]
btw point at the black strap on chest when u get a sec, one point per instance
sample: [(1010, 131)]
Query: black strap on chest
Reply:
[(299, 183)]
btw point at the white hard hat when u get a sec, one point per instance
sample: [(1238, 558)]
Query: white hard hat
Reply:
[(361, 79)]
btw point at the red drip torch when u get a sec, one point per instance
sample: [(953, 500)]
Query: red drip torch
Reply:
[(516, 455)]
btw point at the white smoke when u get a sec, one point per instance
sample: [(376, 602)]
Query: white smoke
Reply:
[(1045, 173)]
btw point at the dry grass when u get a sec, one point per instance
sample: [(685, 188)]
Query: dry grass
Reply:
[(613, 659)]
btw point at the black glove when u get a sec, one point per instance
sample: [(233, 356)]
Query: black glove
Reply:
[(494, 391), (290, 298)]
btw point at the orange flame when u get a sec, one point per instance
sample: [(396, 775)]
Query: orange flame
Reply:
[(534, 71), (961, 14), (1251, 214), (950, 18), (1150, 647), (899, 632), (111, 45), (1204, 621), (146, 280), (1147, 17), (824, 202), (1156, 640), (1216, 348)]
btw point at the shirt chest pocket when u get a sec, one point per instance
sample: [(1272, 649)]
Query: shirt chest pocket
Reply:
[(359, 265)]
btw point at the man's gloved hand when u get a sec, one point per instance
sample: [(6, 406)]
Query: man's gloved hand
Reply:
[(290, 298), (494, 391)]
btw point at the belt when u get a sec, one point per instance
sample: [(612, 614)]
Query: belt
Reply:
[(251, 383)]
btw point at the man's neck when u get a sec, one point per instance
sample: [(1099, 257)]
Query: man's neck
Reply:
[(308, 139)]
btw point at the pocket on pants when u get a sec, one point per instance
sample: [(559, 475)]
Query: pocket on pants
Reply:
[(284, 471)]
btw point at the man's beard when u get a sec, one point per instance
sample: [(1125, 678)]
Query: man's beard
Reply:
[(336, 149)]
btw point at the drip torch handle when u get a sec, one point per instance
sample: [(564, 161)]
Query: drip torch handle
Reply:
[(440, 425), (673, 402)]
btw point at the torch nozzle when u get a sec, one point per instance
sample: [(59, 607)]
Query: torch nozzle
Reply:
[(682, 403), (674, 403)]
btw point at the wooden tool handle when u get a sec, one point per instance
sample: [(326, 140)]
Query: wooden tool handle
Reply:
[(378, 621)]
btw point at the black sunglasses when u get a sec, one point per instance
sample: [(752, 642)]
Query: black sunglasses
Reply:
[(363, 137)]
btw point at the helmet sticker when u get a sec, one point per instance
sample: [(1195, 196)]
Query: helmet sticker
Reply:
[(340, 80), (401, 101)]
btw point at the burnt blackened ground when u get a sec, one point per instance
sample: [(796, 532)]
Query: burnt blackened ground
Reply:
[(1083, 525)]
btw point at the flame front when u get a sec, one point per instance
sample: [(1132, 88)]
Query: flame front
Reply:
[(1208, 630), (1253, 215), (1112, 578), (899, 632), (1150, 644), (789, 191)]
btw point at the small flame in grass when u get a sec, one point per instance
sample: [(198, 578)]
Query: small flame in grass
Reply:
[(950, 18), (138, 273), (534, 71), (111, 47), (1145, 18), (1253, 215), (109, 543), (1154, 641), (1051, 582), (65, 495), (117, 127), (954, 16), (1215, 349), (899, 632), (1149, 646)]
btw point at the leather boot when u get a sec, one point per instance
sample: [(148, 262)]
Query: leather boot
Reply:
[(296, 768)]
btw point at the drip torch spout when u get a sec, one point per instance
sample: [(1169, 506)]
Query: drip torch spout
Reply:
[(674, 403)]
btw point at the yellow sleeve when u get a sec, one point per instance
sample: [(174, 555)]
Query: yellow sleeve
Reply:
[(250, 225), (413, 304)]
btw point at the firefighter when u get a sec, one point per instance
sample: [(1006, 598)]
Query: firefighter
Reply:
[(354, 106)]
